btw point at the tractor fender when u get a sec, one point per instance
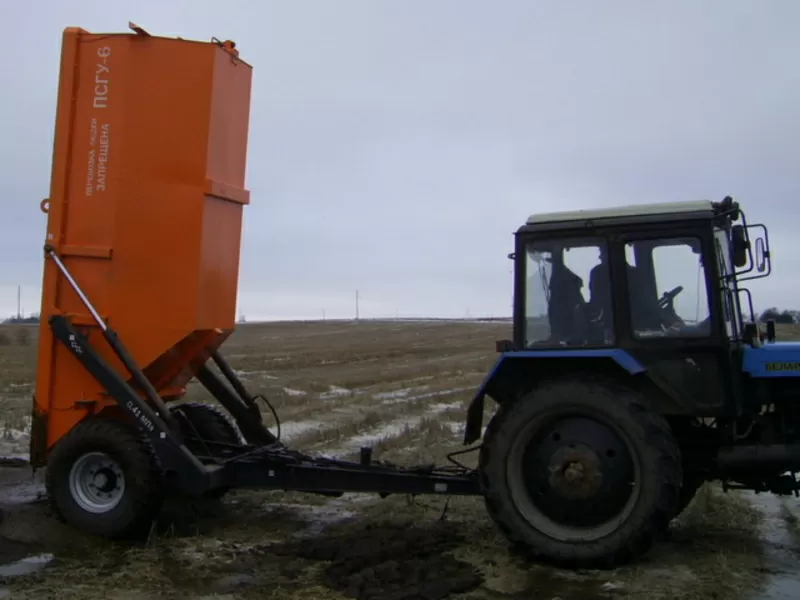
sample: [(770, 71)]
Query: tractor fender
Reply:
[(518, 370)]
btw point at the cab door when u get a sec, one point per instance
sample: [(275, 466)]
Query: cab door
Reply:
[(670, 319)]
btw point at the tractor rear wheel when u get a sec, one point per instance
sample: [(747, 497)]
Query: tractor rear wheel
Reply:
[(209, 424), (580, 472), (103, 478)]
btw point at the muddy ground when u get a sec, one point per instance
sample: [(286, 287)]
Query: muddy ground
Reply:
[(402, 388)]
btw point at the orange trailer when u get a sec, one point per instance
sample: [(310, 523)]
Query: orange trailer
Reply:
[(145, 211), (140, 283)]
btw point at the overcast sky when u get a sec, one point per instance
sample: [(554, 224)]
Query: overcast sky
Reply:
[(395, 146)]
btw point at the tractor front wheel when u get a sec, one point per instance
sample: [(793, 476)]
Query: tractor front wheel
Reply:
[(103, 478), (580, 472)]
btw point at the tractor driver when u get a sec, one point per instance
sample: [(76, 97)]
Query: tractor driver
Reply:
[(600, 308), (600, 302)]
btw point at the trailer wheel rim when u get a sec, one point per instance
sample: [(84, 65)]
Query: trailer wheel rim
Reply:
[(96, 482), (573, 477)]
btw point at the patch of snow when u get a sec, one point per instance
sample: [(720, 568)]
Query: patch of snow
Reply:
[(14, 441), (609, 586), (295, 428), (390, 430), (456, 428), (248, 374), (393, 394), (26, 566), (293, 392), (400, 394), (387, 431), (422, 378), (334, 391), (441, 407), (435, 394)]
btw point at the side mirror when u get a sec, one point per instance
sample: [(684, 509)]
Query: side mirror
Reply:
[(761, 255), (771, 330), (739, 245)]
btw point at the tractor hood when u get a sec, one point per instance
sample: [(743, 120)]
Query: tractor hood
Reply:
[(776, 359)]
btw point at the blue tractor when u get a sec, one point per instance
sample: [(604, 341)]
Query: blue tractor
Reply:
[(633, 377)]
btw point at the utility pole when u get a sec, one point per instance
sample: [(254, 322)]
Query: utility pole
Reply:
[(19, 295), (357, 314)]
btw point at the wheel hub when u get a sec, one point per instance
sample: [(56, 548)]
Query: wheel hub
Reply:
[(96, 482), (575, 473)]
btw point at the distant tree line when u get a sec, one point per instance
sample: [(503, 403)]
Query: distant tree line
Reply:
[(780, 316), (15, 320)]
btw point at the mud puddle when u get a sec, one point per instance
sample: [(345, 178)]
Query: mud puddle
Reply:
[(781, 547), (18, 486), (550, 586), (389, 562)]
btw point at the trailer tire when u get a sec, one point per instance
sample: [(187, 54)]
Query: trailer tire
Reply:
[(103, 478), (594, 435), (211, 424)]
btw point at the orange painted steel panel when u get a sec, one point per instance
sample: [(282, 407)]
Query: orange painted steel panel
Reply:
[(146, 198)]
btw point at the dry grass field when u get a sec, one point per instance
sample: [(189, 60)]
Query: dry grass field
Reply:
[(401, 387)]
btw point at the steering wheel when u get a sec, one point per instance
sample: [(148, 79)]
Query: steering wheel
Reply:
[(668, 297), (670, 320)]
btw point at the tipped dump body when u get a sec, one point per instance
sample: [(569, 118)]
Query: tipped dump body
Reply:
[(145, 209)]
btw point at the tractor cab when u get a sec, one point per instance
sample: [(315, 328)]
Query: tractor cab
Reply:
[(635, 277), (651, 289)]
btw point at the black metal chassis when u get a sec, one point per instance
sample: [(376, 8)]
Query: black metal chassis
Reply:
[(263, 461)]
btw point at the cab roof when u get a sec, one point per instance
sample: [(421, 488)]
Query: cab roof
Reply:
[(692, 208)]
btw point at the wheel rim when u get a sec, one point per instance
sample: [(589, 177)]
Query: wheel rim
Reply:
[(96, 482), (573, 477)]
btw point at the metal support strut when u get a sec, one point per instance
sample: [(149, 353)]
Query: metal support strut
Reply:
[(117, 346)]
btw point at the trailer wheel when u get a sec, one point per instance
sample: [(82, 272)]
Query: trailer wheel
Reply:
[(580, 472), (210, 424), (103, 478)]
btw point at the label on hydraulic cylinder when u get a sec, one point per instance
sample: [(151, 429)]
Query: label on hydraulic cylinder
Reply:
[(142, 418)]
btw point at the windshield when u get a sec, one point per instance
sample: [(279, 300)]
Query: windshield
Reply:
[(568, 300)]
